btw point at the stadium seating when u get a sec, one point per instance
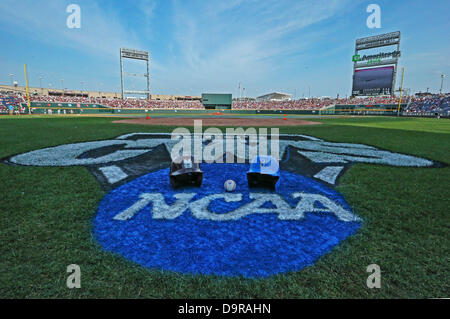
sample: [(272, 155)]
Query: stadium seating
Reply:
[(432, 104), (6, 101), (304, 104), (416, 105), (119, 103)]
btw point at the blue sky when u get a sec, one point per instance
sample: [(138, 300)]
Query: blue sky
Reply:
[(210, 46)]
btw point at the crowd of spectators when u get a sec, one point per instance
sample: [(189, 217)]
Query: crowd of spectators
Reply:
[(311, 104), (123, 103), (11, 104), (154, 104), (369, 100), (303, 104), (430, 104), (427, 104)]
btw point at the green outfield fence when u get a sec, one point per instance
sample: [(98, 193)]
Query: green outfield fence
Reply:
[(71, 108)]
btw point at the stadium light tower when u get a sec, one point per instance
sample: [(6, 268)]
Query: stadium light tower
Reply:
[(135, 55), (442, 83), (40, 82), (240, 91), (11, 75)]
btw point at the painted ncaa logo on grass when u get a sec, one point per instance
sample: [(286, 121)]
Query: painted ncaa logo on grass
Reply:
[(250, 233), (208, 230)]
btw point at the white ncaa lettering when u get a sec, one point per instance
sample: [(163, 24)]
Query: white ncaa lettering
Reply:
[(200, 207), (160, 209)]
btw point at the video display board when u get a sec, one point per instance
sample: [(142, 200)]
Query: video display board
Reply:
[(374, 81), (212, 101)]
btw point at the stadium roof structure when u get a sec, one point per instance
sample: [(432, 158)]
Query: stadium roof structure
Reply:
[(275, 96)]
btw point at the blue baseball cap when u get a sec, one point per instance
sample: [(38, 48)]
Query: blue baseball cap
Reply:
[(266, 165), (264, 172)]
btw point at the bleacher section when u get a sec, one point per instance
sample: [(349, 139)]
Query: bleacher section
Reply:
[(410, 106), (10, 104), (434, 104)]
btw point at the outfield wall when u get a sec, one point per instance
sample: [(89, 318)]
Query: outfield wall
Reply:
[(68, 108), (43, 107), (375, 109)]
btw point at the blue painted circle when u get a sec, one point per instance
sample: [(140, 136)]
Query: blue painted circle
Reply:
[(257, 245)]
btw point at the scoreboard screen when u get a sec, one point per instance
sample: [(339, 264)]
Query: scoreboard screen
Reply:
[(217, 101), (375, 81)]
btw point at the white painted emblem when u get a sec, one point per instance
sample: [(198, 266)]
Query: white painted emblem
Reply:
[(200, 208), (329, 158)]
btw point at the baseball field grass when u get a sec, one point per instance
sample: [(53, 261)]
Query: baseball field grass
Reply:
[(46, 218)]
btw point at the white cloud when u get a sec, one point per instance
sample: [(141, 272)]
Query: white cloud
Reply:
[(230, 41)]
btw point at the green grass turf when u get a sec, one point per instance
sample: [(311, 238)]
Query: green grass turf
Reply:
[(46, 216)]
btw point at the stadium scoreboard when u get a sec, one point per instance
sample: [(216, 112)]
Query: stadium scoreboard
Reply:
[(217, 101), (375, 74)]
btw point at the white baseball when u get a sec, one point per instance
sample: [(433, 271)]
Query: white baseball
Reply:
[(230, 185)]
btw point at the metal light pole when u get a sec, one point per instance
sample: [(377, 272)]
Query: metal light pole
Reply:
[(442, 83), (62, 86), (240, 91), (82, 82), (401, 92)]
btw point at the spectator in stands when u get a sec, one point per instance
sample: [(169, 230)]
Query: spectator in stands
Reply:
[(416, 105)]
